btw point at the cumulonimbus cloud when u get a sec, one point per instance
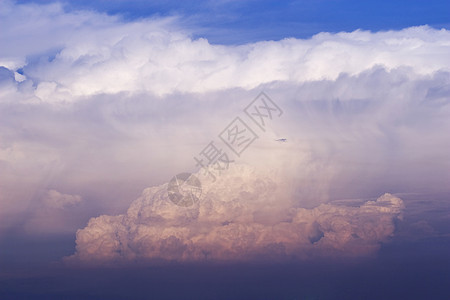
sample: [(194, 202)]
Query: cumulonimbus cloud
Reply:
[(101, 107)]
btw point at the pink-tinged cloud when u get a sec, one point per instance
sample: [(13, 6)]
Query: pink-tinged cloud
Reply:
[(244, 215)]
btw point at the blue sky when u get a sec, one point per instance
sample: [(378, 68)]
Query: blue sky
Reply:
[(236, 22)]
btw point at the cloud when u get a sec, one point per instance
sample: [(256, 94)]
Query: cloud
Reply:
[(92, 53), (244, 216), (357, 136), (55, 213), (162, 62), (104, 108), (55, 199)]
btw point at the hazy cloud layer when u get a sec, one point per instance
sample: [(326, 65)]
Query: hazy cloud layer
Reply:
[(54, 213)]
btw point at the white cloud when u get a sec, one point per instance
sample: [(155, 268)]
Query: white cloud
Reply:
[(162, 62), (91, 53)]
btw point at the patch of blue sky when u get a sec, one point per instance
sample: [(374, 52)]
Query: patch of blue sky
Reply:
[(238, 22)]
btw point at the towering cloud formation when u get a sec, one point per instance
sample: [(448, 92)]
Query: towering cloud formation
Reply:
[(97, 108), (243, 215)]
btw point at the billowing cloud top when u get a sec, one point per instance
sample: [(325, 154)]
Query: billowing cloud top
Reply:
[(88, 54), (163, 62)]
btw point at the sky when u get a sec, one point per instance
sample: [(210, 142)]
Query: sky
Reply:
[(272, 149), (239, 22)]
